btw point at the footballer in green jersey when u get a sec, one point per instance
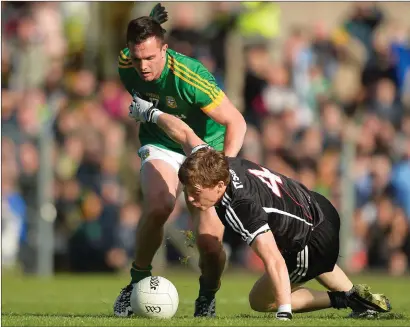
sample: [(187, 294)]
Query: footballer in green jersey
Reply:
[(183, 87)]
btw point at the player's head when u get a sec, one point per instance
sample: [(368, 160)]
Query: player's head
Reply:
[(205, 175), (145, 40)]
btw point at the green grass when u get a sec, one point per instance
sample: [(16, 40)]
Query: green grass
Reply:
[(86, 300)]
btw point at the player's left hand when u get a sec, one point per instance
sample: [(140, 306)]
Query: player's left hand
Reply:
[(159, 14), (143, 111)]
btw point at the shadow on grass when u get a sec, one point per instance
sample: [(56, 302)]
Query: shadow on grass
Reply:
[(56, 315), (380, 316)]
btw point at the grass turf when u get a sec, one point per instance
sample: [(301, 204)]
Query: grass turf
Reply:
[(86, 300)]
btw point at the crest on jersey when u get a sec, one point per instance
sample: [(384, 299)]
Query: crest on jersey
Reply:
[(171, 102)]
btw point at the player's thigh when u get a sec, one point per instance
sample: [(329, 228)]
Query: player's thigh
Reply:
[(159, 179), (262, 295)]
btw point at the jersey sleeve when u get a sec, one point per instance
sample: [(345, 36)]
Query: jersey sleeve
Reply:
[(124, 63), (209, 96), (247, 219), (200, 87)]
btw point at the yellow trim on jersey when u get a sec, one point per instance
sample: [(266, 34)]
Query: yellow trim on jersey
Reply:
[(176, 73), (123, 56), (189, 73), (124, 67), (214, 104), (122, 62), (192, 72)]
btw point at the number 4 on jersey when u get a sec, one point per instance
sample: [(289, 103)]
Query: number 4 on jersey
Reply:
[(269, 179)]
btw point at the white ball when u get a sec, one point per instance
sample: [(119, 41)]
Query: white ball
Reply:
[(154, 297)]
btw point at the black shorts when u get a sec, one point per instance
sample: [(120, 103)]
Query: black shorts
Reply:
[(322, 250)]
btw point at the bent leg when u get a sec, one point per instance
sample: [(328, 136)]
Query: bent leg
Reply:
[(335, 280), (159, 183), (209, 232), (262, 299)]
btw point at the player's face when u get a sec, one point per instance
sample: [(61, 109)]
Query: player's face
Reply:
[(148, 58), (204, 198)]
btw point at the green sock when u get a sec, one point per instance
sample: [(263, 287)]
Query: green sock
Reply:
[(138, 273)]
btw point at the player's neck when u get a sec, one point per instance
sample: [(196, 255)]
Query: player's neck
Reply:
[(222, 195), (164, 62)]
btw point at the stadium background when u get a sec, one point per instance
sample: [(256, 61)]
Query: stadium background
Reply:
[(324, 87)]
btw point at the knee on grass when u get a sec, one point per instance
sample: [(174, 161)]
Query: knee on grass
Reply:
[(259, 304)]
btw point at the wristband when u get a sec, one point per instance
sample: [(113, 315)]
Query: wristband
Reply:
[(284, 316), (285, 308), (198, 147), (284, 312), (153, 115)]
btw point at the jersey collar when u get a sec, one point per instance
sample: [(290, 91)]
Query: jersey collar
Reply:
[(216, 205)]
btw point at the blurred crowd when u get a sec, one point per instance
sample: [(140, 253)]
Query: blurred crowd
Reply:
[(306, 98)]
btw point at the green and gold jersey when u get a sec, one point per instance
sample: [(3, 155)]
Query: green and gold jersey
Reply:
[(185, 89)]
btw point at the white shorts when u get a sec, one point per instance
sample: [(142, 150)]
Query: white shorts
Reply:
[(150, 152)]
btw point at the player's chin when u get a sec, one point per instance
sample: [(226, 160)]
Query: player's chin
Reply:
[(147, 77)]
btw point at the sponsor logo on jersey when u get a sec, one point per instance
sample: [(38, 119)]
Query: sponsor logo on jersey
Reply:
[(152, 95), (235, 179), (171, 102), (144, 154)]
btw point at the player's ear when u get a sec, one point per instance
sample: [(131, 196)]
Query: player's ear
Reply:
[(164, 50)]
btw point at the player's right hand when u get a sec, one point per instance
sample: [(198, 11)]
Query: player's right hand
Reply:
[(142, 110)]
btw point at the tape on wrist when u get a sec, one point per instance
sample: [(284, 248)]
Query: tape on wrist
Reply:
[(285, 308), (155, 115), (198, 147)]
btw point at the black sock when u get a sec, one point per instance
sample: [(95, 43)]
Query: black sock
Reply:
[(338, 300), (208, 289), (138, 273)]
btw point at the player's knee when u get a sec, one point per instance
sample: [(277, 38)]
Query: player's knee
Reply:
[(159, 208), (259, 306), (258, 302), (209, 245)]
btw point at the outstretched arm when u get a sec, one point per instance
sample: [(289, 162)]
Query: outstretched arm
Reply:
[(179, 131), (174, 127), (265, 247)]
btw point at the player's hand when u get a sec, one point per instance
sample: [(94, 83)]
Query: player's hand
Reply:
[(286, 316), (159, 13), (143, 111)]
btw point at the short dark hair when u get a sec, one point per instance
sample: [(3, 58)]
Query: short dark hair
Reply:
[(143, 28), (206, 167)]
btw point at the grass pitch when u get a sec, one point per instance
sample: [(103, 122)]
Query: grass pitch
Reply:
[(86, 300)]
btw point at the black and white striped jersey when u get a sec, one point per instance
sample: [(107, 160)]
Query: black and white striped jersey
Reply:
[(258, 199)]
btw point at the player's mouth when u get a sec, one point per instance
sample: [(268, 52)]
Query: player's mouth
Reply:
[(145, 74)]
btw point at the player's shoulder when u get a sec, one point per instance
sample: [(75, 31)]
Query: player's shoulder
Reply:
[(188, 66), (189, 62), (124, 59)]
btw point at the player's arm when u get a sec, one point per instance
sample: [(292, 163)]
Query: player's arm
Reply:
[(214, 103), (228, 115), (175, 128), (179, 131), (257, 234), (265, 247)]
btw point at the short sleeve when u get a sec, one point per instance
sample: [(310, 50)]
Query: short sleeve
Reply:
[(247, 219), (124, 63), (208, 95)]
